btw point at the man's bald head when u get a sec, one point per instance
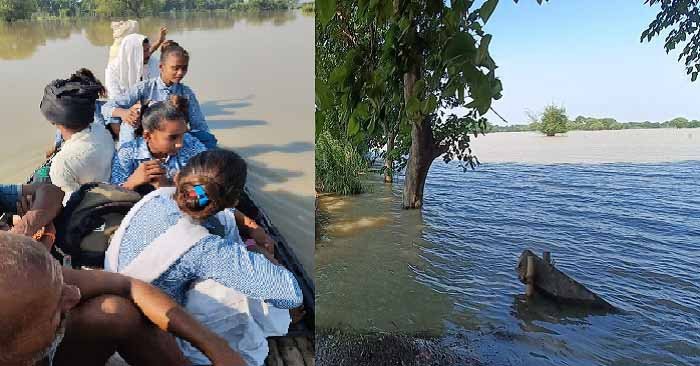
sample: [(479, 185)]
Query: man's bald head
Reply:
[(31, 282), (23, 259)]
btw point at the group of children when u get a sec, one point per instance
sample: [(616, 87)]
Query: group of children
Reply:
[(150, 136)]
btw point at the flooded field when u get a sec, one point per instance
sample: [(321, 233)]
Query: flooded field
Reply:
[(619, 210)]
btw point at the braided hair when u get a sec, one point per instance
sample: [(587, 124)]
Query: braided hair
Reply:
[(210, 182)]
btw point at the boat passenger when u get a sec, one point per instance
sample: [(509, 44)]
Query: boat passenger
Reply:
[(35, 206), (97, 117), (153, 63), (174, 62), (162, 147), (120, 30), (86, 154), (131, 63), (165, 240), (148, 71), (59, 316)]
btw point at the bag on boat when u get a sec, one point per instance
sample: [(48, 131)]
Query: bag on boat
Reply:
[(90, 218)]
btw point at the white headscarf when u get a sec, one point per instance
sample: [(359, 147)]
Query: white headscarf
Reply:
[(127, 68), (119, 31)]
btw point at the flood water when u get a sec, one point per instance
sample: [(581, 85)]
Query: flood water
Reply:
[(253, 76), (628, 229)]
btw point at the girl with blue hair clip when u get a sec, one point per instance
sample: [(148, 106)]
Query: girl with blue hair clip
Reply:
[(165, 239)]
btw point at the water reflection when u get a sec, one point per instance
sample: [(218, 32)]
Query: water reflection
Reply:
[(20, 40), (535, 311)]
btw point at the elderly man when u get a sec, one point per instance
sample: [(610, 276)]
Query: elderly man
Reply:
[(51, 315)]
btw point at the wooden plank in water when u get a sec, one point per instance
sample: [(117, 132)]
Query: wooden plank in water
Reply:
[(273, 357), (289, 352), (307, 350)]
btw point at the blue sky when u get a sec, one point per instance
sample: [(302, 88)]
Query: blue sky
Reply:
[(586, 56)]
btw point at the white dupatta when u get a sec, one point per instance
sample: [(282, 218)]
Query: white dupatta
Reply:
[(243, 322)]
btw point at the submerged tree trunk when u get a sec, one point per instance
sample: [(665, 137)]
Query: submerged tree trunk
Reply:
[(422, 152), (421, 156), (388, 160)]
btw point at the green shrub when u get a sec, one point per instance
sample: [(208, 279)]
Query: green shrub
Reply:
[(339, 166), (553, 121)]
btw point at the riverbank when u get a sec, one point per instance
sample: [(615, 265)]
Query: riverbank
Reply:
[(55, 12), (336, 347)]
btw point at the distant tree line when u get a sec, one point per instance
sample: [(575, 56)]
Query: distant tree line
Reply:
[(24, 9), (582, 123)]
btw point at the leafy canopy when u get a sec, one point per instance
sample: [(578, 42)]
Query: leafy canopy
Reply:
[(682, 17)]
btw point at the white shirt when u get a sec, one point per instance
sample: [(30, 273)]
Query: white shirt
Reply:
[(84, 158)]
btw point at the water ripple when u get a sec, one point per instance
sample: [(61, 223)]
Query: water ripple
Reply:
[(631, 232)]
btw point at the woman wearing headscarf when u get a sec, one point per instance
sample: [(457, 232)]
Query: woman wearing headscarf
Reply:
[(129, 64), (120, 30), (87, 151)]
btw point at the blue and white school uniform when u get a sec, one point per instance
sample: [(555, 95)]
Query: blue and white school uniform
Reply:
[(227, 288), (131, 154)]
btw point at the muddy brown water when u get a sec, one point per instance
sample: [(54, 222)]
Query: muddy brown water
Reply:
[(253, 76)]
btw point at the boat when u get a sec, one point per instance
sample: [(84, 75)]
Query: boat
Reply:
[(297, 347), (541, 277)]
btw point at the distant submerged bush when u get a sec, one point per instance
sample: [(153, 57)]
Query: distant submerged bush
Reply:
[(553, 121), (339, 166)]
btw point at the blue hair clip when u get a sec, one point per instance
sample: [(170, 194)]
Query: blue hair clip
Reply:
[(201, 195)]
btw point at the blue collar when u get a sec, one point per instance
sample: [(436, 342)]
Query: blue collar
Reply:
[(171, 89), (142, 152)]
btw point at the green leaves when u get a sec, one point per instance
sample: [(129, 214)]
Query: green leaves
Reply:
[(358, 116), (326, 10), (320, 122), (324, 98), (419, 88), (413, 107), (487, 9), (459, 46), (483, 49), (429, 105), (353, 126)]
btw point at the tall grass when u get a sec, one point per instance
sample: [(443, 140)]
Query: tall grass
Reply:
[(339, 167)]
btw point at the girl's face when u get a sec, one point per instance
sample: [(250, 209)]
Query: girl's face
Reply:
[(168, 139)]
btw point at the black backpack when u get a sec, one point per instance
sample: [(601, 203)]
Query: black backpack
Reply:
[(91, 216)]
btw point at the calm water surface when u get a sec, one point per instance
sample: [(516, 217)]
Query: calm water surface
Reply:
[(253, 75), (629, 230)]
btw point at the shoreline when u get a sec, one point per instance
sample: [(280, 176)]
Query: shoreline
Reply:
[(345, 348)]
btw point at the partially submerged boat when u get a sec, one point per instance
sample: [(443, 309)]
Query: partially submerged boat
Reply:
[(541, 277)]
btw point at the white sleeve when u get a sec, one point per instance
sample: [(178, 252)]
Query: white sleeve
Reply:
[(112, 81), (63, 176)]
